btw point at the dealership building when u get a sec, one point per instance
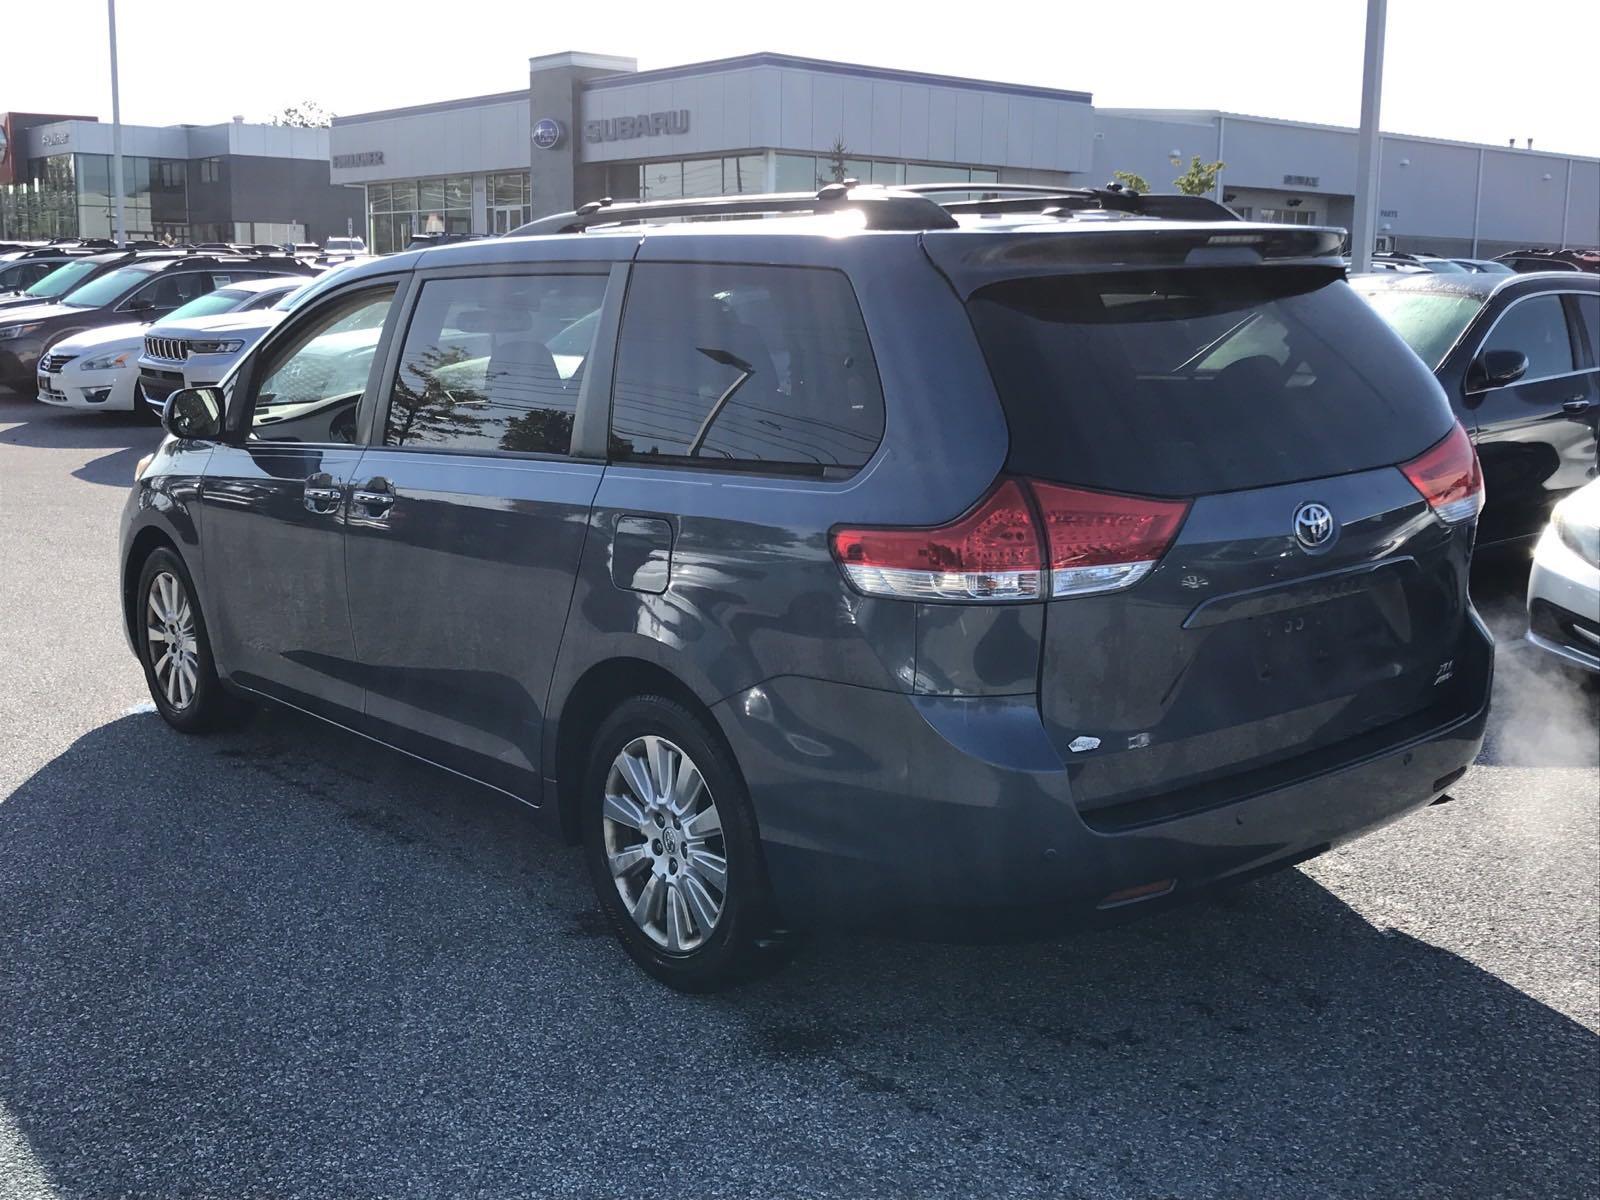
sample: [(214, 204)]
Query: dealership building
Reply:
[(236, 182), (591, 125)]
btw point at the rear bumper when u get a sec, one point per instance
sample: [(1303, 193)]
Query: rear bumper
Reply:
[(955, 815)]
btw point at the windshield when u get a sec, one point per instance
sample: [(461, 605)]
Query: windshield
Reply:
[(62, 280), (223, 300), (108, 288), (1429, 322), (1190, 382), (291, 301)]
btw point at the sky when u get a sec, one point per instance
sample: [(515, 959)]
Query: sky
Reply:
[(1473, 70)]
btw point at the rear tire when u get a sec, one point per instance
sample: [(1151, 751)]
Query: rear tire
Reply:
[(672, 848), (176, 651)]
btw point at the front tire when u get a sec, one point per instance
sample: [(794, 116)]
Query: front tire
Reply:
[(672, 847), (176, 650)]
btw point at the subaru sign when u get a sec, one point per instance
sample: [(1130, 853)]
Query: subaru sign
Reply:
[(547, 133)]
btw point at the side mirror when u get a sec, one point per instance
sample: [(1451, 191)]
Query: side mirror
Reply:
[(194, 414), (1496, 368)]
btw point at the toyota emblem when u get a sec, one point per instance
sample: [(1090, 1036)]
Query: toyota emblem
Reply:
[(1313, 526)]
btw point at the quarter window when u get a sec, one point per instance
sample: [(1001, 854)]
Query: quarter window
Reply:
[(312, 383), (1536, 326), (495, 363), (1589, 316), (745, 366)]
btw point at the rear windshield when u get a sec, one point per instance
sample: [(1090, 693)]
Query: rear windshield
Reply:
[(1191, 381)]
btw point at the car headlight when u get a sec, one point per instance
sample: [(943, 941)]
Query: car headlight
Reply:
[(15, 331), (1580, 536), (216, 347), (107, 362)]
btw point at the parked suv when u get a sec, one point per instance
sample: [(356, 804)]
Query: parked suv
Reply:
[(963, 565), (66, 267), (1519, 359), (144, 289)]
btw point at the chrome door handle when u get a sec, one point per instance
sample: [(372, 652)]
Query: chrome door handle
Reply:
[(1576, 405), (322, 495), (376, 496)]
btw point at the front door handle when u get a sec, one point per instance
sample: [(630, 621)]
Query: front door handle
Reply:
[(375, 497), (1577, 404), (322, 494)]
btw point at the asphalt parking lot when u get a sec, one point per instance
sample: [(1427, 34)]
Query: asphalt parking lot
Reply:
[(284, 963)]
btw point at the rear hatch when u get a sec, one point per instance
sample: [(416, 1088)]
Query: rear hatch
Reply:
[(1309, 600)]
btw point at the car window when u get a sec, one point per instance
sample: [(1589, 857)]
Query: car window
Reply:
[(1430, 322), (311, 383), (1536, 326), (22, 275), (222, 300), (746, 367), (481, 370), (1589, 317), (173, 289), (63, 279), (1191, 382)]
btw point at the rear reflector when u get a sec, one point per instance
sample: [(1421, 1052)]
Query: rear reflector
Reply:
[(1449, 478), (1101, 542), (1145, 891), (1090, 542), (992, 552)]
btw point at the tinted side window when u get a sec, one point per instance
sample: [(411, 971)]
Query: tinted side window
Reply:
[(745, 366), (495, 363), (1589, 317), (174, 288), (1536, 326)]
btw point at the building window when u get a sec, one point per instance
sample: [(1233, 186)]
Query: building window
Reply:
[(1285, 216), (397, 211), (210, 170), (728, 176), (510, 201), (808, 172)]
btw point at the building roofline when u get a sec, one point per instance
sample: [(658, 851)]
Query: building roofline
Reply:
[(519, 96), (829, 66), (1208, 114)]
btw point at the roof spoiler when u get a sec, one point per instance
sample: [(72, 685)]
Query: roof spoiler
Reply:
[(977, 258)]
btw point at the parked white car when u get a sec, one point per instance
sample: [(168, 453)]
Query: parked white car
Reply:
[(1564, 586), (99, 368)]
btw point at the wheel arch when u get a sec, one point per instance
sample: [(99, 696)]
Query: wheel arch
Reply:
[(145, 542), (601, 687)]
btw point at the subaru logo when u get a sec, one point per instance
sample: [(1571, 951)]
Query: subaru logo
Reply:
[(1313, 526), (547, 133)]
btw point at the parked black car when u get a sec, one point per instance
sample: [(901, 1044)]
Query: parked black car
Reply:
[(133, 287), (971, 564), (66, 268), (1519, 358)]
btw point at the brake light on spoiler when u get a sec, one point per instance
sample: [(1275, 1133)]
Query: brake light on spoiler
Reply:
[(1025, 540)]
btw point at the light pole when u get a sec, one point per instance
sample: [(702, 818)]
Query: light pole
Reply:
[(120, 229), (1365, 230)]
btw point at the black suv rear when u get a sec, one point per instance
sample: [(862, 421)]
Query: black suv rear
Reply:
[(111, 289), (970, 564)]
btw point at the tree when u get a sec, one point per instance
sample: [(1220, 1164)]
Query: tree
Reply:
[(1199, 179), (306, 115), (836, 171), (1134, 183)]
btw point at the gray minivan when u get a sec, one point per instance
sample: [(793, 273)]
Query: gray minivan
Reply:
[(956, 561)]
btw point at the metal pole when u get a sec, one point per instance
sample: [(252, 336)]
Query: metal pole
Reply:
[(1368, 153), (120, 229), (1477, 203)]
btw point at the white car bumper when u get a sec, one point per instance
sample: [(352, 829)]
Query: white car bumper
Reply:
[(1564, 603), (72, 387)]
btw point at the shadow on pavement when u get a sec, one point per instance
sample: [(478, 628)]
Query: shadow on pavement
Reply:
[(285, 962)]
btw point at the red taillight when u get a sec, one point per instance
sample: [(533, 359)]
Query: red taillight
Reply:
[(991, 553), (1449, 478), (1096, 543), (1100, 542)]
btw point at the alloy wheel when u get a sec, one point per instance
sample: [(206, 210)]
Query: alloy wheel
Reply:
[(174, 648), (664, 844)]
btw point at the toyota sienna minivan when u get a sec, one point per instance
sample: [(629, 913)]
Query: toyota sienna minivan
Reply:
[(946, 560)]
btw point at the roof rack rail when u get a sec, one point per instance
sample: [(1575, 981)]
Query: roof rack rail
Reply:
[(883, 208), (1046, 198)]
